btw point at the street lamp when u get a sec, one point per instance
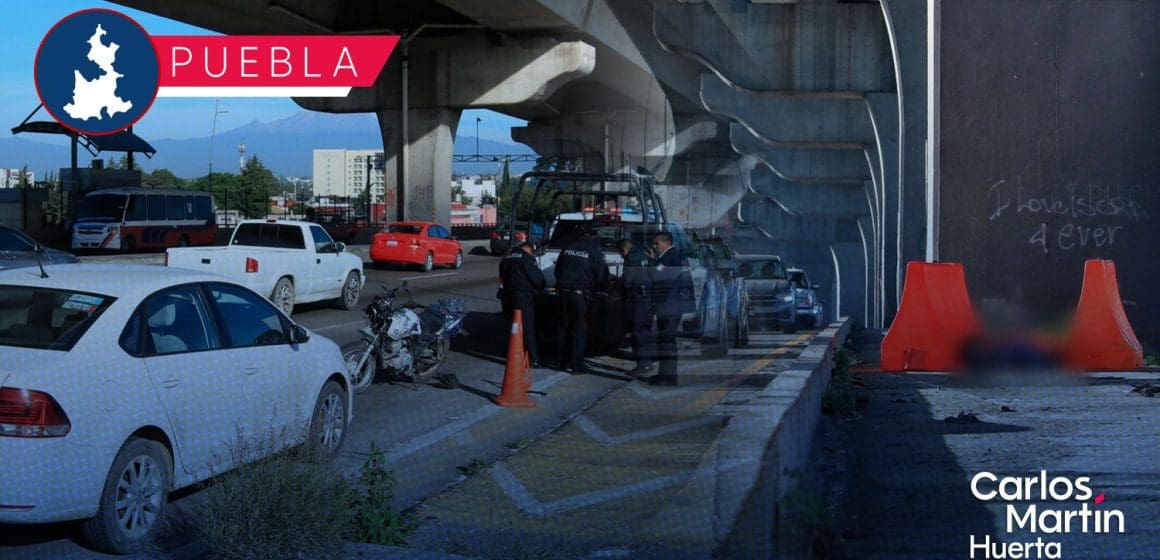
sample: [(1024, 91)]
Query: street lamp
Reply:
[(212, 132), (477, 119)]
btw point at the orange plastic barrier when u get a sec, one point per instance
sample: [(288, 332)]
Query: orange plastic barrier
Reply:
[(934, 319), (1100, 337), (517, 375)]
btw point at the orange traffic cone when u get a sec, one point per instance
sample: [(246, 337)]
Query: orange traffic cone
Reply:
[(517, 376)]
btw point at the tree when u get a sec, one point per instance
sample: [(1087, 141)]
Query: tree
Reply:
[(254, 189), (22, 180), (162, 179), (123, 163), (457, 192), (55, 207)]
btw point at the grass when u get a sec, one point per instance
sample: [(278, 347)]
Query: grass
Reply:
[(810, 524), (292, 505), (473, 468), (839, 398), (256, 511), (519, 444)]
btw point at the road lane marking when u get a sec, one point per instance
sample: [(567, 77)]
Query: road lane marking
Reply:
[(710, 398), (597, 433), (401, 450), (528, 503), (429, 276), (339, 326)]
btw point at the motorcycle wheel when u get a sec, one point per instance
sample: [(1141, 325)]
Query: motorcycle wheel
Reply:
[(361, 379), (426, 366)]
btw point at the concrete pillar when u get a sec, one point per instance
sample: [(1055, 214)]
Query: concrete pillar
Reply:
[(427, 194), (906, 22), (883, 109)]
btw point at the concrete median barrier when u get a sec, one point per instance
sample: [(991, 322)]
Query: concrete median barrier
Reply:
[(763, 444)]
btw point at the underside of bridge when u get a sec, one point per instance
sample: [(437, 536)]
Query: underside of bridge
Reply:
[(814, 113)]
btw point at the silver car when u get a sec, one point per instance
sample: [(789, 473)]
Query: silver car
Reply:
[(17, 250)]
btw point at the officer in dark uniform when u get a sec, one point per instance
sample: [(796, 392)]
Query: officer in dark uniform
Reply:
[(522, 280), (673, 297), (580, 270), (638, 313)]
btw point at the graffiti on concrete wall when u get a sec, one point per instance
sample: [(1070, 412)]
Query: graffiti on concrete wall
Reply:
[(1073, 215)]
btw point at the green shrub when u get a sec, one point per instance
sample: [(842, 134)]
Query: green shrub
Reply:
[(839, 398), (376, 521), (283, 506)]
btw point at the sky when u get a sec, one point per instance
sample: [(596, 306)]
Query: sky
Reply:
[(25, 23)]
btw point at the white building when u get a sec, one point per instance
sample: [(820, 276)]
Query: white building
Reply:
[(10, 178), (474, 186), (343, 174)]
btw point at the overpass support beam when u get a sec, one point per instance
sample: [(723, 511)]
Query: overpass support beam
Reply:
[(811, 163), (906, 21), (440, 82), (427, 194)]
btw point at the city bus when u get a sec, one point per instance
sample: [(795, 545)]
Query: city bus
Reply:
[(127, 219)]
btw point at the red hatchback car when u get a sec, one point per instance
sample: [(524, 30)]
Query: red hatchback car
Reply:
[(419, 243)]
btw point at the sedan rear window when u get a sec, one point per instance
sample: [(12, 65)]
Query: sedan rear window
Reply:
[(404, 228), (47, 319)]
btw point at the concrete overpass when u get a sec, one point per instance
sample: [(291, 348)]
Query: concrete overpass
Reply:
[(817, 110)]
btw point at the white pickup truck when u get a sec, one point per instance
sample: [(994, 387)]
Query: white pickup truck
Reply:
[(289, 262)]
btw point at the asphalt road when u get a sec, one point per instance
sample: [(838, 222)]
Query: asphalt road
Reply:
[(430, 433)]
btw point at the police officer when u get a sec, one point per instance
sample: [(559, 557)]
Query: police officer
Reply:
[(638, 313), (672, 296), (522, 280), (580, 270)]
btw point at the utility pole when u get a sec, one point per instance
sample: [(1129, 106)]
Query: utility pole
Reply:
[(212, 133)]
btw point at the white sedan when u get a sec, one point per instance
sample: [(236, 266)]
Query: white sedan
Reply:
[(119, 384)]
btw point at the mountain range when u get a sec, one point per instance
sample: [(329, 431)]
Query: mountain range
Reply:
[(284, 146)]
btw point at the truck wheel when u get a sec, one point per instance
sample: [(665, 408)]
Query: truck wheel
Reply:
[(350, 292), (429, 263), (283, 295), (128, 245)]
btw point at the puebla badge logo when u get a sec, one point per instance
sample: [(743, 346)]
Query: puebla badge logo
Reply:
[(96, 72)]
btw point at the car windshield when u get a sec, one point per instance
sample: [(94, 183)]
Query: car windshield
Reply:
[(12, 240), (404, 228), (764, 269), (102, 208), (718, 248), (568, 231), (47, 319)]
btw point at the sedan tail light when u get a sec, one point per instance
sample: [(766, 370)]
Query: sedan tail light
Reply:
[(414, 242), (251, 265), (495, 235), (25, 413), (521, 237)]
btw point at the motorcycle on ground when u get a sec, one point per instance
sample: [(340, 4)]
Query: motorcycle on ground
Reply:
[(407, 341)]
